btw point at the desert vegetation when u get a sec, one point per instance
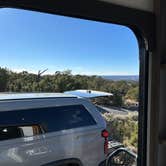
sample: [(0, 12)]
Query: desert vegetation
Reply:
[(62, 81), (123, 128)]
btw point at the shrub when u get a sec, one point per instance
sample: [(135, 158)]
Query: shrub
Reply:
[(123, 128)]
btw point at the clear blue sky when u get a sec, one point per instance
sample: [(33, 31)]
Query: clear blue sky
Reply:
[(34, 41)]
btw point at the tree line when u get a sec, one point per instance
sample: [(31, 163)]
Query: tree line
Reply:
[(62, 81)]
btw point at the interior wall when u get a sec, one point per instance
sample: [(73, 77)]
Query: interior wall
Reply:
[(162, 118), (146, 5), (160, 12), (153, 108)]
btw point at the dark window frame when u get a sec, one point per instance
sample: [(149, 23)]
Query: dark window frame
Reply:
[(142, 23)]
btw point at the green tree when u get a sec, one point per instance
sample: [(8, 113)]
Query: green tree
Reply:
[(4, 77), (133, 94), (63, 81), (117, 99)]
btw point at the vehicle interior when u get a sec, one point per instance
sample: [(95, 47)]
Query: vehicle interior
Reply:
[(147, 19)]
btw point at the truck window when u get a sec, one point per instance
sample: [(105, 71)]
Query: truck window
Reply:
[(11, 132), (51, 119)]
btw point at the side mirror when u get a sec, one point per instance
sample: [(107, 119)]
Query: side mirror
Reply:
[(122, 157)]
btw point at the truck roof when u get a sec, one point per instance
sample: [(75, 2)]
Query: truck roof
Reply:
[(88, 93), (21, 96)]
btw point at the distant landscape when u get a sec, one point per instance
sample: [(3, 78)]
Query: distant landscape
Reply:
[(125, 92), (123, 127), (121, 77)]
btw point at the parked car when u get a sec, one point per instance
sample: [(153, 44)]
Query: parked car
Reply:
[(51, 130), (117, 154)]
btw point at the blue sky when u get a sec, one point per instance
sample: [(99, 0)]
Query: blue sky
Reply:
[(34, 41)]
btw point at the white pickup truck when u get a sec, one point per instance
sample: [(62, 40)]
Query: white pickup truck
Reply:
[(41, 129)]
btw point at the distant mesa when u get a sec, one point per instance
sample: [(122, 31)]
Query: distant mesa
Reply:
[(119, 78)]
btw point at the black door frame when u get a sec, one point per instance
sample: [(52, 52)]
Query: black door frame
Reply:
[(142, 23)]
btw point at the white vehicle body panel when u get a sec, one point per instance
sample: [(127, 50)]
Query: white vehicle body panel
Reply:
[(85, 143)]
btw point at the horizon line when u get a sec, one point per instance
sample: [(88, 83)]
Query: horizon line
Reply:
[(72, 72)]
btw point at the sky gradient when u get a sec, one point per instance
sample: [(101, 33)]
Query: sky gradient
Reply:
[(35, 41)]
